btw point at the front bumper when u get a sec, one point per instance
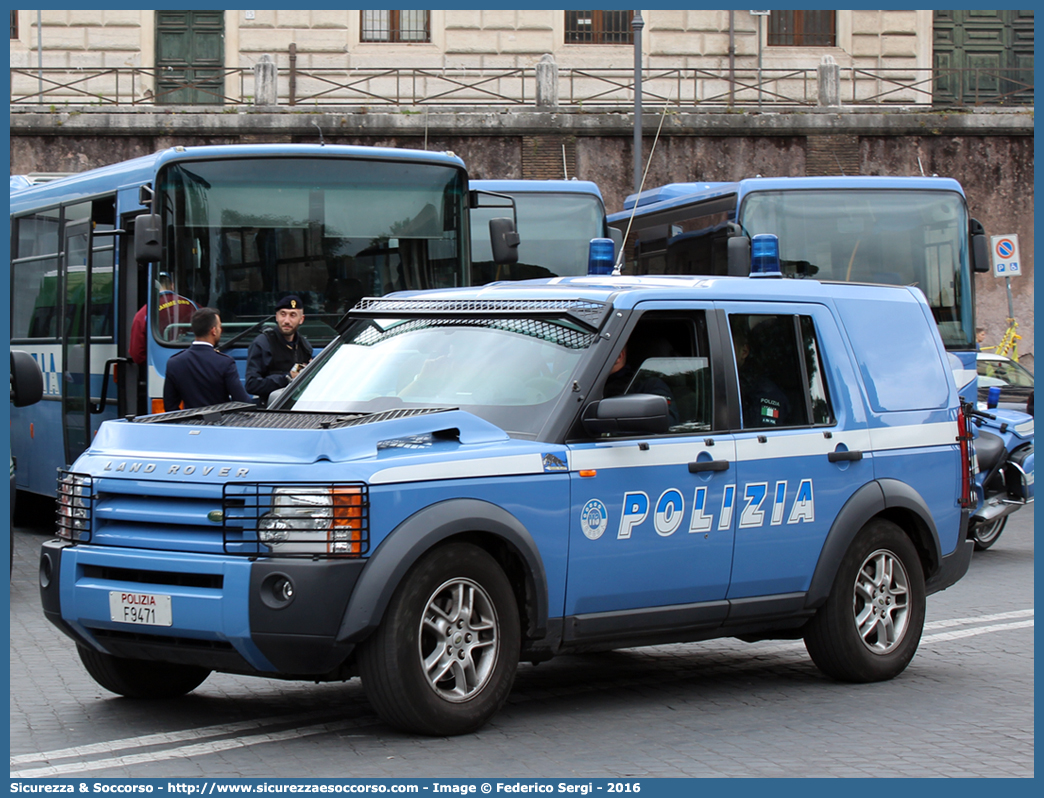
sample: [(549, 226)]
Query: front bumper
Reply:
[(229, 613)]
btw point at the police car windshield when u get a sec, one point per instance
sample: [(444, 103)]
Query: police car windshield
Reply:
[(508, 371)]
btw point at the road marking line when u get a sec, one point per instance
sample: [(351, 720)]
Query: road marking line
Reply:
[(188, 751), (1000, 616), (163, 738), (940, 637), (797, 645)]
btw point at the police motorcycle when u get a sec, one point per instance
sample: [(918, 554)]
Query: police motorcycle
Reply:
[(1003, 441)]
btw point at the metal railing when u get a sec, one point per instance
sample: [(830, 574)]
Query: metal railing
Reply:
[(517, 87)]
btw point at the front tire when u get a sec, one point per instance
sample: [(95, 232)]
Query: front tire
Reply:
[(135, 678), (870, 626), (443, 660), (985, 535)]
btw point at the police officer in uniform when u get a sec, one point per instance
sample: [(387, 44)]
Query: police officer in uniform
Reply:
[(277, 355), (200, 375)]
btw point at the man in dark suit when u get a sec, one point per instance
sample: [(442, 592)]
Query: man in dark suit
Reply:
[(200, 375)]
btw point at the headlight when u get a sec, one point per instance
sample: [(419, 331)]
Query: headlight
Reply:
[(295, 513), (320, 521), (75, 493)]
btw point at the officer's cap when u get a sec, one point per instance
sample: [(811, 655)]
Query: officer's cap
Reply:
[(291, 302)]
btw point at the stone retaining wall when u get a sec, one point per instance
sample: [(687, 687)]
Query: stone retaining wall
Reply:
[(990, 153)]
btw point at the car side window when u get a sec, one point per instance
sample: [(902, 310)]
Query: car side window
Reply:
[(817, 388), (667, 354), (780, 371)]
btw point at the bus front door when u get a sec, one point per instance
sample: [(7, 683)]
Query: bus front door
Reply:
[(87, 335), (76, 345)]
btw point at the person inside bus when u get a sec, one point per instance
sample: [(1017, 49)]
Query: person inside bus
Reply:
[(200, 375), (171, 308), (276, 356)]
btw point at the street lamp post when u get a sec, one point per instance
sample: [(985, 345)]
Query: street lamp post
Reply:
[(759, 15), (637, 23), (39, 53)]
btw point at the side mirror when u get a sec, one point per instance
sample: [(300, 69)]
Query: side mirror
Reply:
[(148, 247), (980, 250), (631, 414), (616, 234), (26, 379), (739, 256), (504, 241)]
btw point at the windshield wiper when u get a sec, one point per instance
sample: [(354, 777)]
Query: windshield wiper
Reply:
[(238, 336)]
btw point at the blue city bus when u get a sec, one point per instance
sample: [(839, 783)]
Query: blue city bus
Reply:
[(892, 230), (555, 219), (230, 227)]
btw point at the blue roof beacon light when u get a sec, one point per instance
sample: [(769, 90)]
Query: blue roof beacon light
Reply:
[(600, 256), (764, 256), (993, 397)]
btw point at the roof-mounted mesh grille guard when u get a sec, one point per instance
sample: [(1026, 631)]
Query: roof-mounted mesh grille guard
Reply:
[(238, 414), (589, 313), (204, 415)]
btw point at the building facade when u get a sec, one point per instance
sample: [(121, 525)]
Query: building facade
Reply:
[(884, 56)]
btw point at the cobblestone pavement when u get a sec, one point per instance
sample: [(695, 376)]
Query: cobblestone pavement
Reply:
[(964, 707)]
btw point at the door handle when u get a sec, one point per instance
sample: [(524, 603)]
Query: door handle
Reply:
[(99, 406), (837, 457), (708, 465)]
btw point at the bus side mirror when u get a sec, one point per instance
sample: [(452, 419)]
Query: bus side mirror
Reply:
[(980, 251), (616, 234), (26, 379), (739, 256), (147, 245), (504, 241)]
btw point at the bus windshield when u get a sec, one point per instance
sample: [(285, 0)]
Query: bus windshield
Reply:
[(242, 233), (882, 236), (555, 231)]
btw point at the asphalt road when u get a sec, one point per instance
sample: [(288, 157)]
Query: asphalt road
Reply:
[(723, 708)]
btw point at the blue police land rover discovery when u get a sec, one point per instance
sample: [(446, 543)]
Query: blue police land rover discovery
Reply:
[(474, 477)]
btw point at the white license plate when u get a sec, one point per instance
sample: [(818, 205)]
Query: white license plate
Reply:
[(144, 609)]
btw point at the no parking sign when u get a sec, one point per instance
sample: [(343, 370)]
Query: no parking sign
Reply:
[(1005, 254)]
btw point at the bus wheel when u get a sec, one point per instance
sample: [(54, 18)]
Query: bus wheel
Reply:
[(136, 678), (871, 624), (444, 657)]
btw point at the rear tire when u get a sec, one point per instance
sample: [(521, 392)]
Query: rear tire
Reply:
[(870, 626), (136, 678), (443, 660), (985, 535)]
